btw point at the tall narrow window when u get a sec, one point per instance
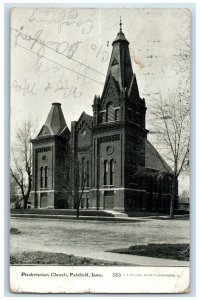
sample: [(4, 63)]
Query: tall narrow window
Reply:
[(109, 112), (130, 114), (77, 174), (105, 172), (116, 114), (88, 174), (83, 175), (45, 177), (102, 117), (41, 177), (112, 172)]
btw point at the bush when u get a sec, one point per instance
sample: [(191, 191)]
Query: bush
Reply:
[(167, 251)]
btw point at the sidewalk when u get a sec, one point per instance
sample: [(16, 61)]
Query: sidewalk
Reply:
[(99, 218), (81, 218)]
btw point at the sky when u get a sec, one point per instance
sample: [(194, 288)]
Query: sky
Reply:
[(62, 55)]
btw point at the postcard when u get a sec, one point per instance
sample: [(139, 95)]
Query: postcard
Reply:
[(99, 168)]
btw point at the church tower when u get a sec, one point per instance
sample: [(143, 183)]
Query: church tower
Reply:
[(120, 99), (119, 131), (49, 150)]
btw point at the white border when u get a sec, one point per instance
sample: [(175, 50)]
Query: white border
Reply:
[(197, 127)]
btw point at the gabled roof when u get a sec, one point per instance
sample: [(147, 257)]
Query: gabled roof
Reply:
[(153, 159), (88, 118)]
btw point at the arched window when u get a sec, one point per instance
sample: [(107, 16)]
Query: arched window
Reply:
[(102, 116), (112, 172), (45, 177), (41, 177), (105, 173), (109, 113), (117, 114), (88, 174)]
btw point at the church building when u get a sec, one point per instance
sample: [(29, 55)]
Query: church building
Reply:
[(124, 172)]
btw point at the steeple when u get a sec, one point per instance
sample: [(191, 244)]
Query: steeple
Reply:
[(120, 63), (55, 120), (120, 99), (120, 24)]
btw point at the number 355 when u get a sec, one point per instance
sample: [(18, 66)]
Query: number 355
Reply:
[(116, 275)]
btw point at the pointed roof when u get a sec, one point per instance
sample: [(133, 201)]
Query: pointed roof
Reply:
[(55, 123), (133, 91), (120, 62)]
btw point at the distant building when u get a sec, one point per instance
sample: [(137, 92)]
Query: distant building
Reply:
[(124, 171)]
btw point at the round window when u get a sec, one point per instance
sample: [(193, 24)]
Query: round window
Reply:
[(44, 158), (110, 149)]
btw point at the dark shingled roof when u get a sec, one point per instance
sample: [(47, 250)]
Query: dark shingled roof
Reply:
[(120, 62), (153, 159), (55, 123)]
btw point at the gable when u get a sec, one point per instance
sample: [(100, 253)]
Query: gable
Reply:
[(83, 129), (133, 92), (110, 92), (44, 131)]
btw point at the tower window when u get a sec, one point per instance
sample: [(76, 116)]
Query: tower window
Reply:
[(109, 113), (116, 114), (105, 172), (102, 117), (130, 114)]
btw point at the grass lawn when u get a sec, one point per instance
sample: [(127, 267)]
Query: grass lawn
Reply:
[(48, 258), (168, 251)]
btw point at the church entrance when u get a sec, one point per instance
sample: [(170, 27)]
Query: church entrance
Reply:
[(108, 199), (43, 200)]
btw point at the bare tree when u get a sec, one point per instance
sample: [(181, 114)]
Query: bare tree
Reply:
[(171, 116), (170, 113), (73, 178), (21, 160), (13, 191)]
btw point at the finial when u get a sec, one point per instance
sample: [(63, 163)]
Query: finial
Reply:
[(120, 25)]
